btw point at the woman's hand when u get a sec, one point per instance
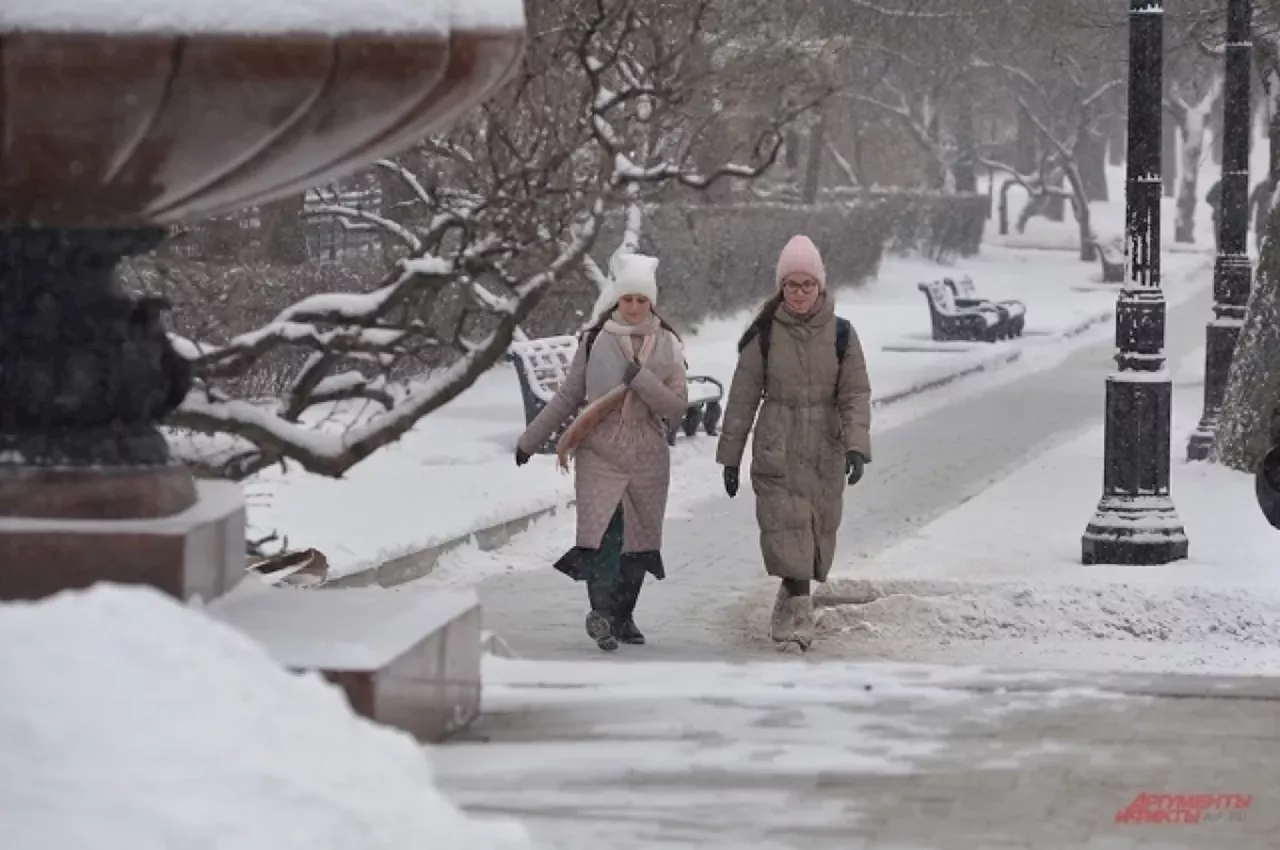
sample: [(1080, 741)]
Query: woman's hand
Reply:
[(854, 465), (731, 480)]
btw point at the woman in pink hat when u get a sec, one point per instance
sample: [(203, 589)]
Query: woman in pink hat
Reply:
[(802, 368)]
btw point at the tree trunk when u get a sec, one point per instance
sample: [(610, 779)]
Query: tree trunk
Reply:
[(813, 161), (1091, 155), (1080, 208), (1169, 153), (1055, 205), (1004, 205), (1273, 140), (1025, 147), (967, 144), (1214, 125), (281, 231), (1253, 384), (1116, 141), (1193, 132), (1034, 207)]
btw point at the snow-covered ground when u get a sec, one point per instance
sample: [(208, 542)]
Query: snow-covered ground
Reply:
[(999, 579), (131, 721)]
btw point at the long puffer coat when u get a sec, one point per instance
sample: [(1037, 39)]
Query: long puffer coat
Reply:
[(607, 474), (813, 409)]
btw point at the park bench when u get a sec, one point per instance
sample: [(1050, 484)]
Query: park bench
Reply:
[(1111, 257), (542, 364), (953, 323), (966, 295)]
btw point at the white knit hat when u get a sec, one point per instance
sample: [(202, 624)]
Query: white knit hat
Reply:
[(634, 274)]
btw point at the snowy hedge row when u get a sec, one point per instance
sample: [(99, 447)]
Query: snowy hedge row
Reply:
[(719, 259), (937, 225), (716, 259)]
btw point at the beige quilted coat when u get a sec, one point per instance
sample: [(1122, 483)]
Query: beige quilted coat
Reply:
[(815, 411), (606, 474)]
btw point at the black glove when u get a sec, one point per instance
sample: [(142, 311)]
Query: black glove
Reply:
[(522, 457), (731, 480), (854, 465), (633, 369)]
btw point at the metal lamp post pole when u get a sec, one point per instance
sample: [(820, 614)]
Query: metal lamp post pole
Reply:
[(1136, 522), (1232, 272)]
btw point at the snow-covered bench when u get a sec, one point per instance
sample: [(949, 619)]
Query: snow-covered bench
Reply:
[(1111, 258), (966, 295), (953, 323), (542, 364)]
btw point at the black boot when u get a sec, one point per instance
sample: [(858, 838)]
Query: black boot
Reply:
[(600, 620), (624, 624)]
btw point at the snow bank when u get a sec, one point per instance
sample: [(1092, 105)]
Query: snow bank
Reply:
[(129, 721), (998, 580)]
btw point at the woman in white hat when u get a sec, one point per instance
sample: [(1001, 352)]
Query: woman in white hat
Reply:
[(630, 372)]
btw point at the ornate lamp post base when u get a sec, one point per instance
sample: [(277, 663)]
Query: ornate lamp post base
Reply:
[(88, 488), (1145, 531), (1220, 335), (1136, 530)]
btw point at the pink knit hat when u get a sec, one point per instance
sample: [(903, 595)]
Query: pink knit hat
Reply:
[(800, 256)]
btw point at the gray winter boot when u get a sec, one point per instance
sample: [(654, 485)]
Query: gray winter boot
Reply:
[(780, 621), (800, 609)]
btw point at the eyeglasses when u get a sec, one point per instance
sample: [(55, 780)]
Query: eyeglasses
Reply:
[(803, 287)]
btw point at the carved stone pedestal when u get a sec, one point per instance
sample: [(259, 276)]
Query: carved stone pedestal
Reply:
[(198, 552), (404, 658)]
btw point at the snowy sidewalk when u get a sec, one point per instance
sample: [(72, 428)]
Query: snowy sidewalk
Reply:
[(844, 757), (713, 604)]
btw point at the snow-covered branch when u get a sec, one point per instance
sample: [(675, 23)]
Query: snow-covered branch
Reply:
[(610, 107)]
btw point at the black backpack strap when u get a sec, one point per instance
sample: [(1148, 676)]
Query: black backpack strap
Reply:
[(844, 332), (763, 331)]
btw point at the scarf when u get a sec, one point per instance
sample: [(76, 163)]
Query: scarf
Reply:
[(607, 364)]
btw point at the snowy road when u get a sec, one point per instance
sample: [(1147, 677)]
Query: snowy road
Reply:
[(712, 605)]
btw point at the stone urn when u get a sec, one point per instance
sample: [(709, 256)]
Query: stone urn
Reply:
[(119, 119)]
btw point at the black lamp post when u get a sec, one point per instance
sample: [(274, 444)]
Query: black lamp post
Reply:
[(1136, 522), (1232, 272)]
